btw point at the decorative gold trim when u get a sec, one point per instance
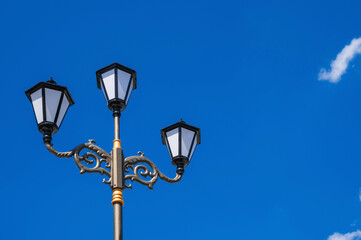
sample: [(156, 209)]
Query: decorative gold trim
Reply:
[(116, 143), (117, 196)]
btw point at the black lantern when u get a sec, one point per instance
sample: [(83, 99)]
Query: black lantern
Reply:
[(181, 140), (50, 103), (117, 83)]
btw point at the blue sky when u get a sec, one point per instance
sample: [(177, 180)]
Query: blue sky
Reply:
[(280, 152)]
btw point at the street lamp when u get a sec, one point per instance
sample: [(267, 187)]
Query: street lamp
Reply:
[(51, 102), (181, 140), (117, 83)]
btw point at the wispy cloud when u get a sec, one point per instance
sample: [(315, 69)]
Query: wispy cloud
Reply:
[(340, 64), (347, 236)]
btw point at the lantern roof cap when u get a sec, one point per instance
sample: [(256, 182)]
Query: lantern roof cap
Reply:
[(120, 67), (52, 85), (181, 124)]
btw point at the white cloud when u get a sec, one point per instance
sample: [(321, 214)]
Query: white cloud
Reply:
[(347, 236), (340, 64)]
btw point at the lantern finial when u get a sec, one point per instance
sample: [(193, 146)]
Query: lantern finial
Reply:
[(51, 80)]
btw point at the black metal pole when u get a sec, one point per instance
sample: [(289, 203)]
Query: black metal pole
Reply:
[(117, 173)]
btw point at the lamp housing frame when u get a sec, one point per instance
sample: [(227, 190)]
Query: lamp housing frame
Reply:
[(116, 102), (46, 126), (180, 160)]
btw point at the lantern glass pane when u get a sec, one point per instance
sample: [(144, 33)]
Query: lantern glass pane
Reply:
[(187, 137), (64, 106), (123, 82), (103, 90), (173, 141), (37, 102), (130, 91), (109, 84), (52, 99), (193, 147)]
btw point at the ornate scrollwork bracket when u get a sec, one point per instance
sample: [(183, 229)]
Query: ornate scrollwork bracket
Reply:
[(98, 154), (144, 171)]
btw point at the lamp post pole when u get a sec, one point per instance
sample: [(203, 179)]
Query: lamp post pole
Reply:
[(117, 184), (51, 102)]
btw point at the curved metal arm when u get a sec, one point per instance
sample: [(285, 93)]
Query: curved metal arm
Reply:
[(130, 162), (97, 153)]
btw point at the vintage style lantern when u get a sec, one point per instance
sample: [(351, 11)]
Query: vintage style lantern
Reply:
[(50, 103), (117, 83), (181, 140)]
